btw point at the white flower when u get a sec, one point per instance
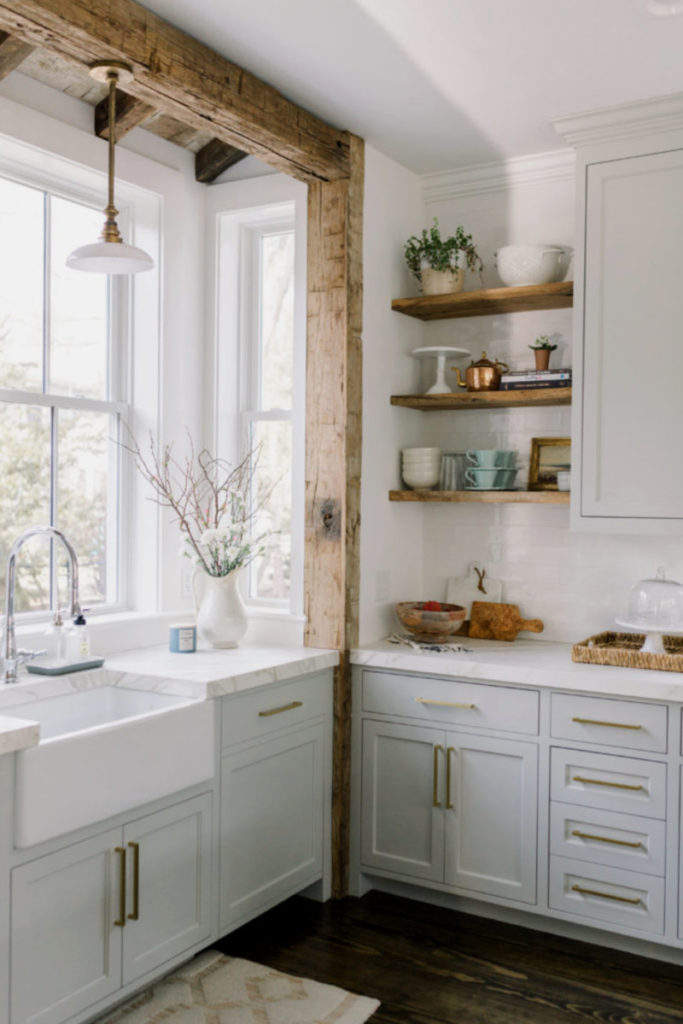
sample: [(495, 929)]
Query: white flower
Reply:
[(212, 536)]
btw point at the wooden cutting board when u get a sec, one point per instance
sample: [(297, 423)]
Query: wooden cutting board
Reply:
[(490, 621)]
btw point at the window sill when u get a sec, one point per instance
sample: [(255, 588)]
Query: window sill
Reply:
[(114, 632)]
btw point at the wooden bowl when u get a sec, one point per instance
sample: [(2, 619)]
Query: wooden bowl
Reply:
[(431, 626)]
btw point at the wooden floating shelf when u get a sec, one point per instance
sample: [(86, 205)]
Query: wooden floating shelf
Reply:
[(486, 399), (488, 301), (490, 497)]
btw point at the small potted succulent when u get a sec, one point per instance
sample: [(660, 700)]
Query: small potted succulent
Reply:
[(439, 263), (541, 349)]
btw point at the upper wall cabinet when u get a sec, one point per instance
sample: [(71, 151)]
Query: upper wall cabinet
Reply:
[(628, 356)]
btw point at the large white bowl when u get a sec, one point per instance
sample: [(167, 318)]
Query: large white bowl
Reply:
[(421, 480), (411, 453), (532, 264)]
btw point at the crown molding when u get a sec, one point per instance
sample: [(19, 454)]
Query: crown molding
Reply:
[(557, 165), (646, 117)]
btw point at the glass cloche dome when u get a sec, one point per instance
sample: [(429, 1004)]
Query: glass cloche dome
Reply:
[(655, 606)]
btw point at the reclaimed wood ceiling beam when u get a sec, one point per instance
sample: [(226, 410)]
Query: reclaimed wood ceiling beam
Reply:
[(130, 112), (182, 77), (214, 158), (13, 51)]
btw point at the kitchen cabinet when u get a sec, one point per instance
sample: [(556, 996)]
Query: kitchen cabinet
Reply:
[(628, 360), (542, 801), (92, 917), (275, 793), (450, 807)]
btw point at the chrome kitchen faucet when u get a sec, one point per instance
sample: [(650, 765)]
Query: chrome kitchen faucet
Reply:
[(13, 658)]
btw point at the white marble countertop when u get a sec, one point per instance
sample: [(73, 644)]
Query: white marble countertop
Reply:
[(525, 662), (203, 675)]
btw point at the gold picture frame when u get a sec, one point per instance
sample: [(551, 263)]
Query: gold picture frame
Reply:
[(549, 456)]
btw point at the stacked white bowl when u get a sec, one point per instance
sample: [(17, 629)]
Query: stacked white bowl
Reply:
[(421, 467)]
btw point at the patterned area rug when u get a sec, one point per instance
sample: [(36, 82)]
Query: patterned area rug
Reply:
[(217, 989)]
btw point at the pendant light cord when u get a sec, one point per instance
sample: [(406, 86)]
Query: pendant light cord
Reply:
[(110, 230)]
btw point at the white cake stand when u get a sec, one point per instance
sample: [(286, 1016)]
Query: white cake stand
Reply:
[(653, 636), (441, 353)]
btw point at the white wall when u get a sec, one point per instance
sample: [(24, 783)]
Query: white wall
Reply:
[(391, 534), (576, 583)]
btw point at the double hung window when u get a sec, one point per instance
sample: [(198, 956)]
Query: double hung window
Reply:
[(61, 397)]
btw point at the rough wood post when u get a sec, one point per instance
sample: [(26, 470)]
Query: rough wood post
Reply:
[(333, 454)]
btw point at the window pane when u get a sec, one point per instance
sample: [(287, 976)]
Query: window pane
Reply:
[(82, 495), (277, 320), (21, 286), (270, 574), (78, 306), (25, 499)]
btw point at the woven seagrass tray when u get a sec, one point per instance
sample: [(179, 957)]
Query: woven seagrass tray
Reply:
[(622, 650)]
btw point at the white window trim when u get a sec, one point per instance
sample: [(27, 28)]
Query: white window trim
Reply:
[(250, 203), (40, 151)]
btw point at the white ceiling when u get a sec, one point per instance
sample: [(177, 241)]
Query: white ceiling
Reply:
[(439, 84)]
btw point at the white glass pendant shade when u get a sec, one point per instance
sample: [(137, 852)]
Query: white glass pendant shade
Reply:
[(110, 258), (110, 255)]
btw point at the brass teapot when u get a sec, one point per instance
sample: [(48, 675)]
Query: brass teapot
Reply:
[(484, 375)]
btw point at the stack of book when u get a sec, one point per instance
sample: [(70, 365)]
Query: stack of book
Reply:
[(516, 380)]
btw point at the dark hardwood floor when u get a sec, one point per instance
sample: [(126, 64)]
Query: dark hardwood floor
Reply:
[(434, 966)]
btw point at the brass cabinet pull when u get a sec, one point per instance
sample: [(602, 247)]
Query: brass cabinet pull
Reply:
[(135, 913), (121, 922), (435, 786), (449, 801), (605, 895), (278, 711), (605, 839), (612, 725), (443, 703), (601, 782)]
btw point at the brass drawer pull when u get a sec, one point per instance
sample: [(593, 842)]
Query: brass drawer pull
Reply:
[(601, 782), (443, 703), (121, 921), (435, 779), (612, 725), (135, 913), (449, 801), (606, 895), (605, 839), (278, 711)]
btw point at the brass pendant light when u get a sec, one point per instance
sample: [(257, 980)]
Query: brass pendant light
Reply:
[(110, 255)]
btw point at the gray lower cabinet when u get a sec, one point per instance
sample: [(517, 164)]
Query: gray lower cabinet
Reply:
[(95, 916), (451, 808), (272, 813)]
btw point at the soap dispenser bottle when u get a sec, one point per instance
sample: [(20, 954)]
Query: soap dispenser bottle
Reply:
[(56, 638), (80, 639)]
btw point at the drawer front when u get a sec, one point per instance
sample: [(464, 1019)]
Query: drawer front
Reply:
[(603, 837), (623, 784), (451, 702), (618, 898), (264, 711), (610, 723)]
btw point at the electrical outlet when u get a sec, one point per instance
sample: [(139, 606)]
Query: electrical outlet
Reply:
[(382, 585)]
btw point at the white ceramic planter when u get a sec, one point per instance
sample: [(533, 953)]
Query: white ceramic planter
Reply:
[(442, 282)]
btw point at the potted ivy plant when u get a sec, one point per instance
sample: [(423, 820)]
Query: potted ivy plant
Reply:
[(439, 263), (541, 349)]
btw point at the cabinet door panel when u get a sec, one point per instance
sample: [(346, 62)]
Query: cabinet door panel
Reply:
[(272, 805), (632, 416), (491, 826), (401, 830), (174, 872), (66, 950)]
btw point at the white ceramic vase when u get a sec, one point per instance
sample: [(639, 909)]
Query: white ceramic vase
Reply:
[(221, 615)]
